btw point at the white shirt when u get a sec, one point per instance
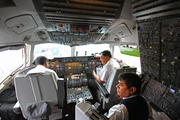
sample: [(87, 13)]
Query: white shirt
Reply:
[(120, 112), (106, 70), (42, 69)]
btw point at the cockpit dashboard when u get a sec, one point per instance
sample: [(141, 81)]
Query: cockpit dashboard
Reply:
[(74, 65), (76, 71)]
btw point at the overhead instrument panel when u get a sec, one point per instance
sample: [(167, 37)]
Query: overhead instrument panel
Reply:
[(159, 43), (74, 65), (170, 56), (149, 44), (77, 22)]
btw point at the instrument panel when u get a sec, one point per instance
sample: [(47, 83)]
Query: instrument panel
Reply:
[(74, 69), (75, 94), (149, 43), (170, 52), (166, 98), (74, 65), (160, 52), (77, 88)]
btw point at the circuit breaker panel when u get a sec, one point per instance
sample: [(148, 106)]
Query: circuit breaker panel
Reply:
[(159, 43)]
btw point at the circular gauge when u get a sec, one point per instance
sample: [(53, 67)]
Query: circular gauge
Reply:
[(145, 41), (169, 40), (157, 32), (175, 40), (150, 33), (173, 74)]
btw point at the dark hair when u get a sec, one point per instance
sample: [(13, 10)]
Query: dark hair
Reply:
[(131, 80), (106, 53), (40, 60)]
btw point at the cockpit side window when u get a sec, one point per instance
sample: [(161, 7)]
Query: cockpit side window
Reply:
[(129, 56), (10, 61)]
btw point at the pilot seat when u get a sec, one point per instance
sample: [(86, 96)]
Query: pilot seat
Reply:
[(38, 97), (108, 95)]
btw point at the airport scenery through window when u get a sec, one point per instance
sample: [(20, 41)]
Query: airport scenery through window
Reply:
[(51, 50), (90, 50)]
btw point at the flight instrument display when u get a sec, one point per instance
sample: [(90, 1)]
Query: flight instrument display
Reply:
[(74, 65)]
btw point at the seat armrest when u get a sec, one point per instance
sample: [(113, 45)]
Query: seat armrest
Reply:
[(16, 108), (103, 90)]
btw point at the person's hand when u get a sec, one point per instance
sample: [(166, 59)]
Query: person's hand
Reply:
[(93, 106), (97, 77), (94, 73)]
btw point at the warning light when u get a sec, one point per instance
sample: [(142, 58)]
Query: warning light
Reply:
[(86, 29), (61, 25), (73, 28)]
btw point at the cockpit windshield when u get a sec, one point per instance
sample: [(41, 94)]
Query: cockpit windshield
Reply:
[(51, 50), (91, 49)]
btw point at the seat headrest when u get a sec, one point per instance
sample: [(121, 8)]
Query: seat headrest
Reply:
[(34, 75), (39, 74)]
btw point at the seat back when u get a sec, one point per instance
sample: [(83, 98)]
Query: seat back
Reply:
[(85, 111), (36, 88), (111, 86)]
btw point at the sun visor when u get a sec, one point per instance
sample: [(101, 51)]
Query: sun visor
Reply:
[(14, 47), (20, 24)]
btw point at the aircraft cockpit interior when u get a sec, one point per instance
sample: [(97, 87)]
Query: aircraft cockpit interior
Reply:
[(143, 37)]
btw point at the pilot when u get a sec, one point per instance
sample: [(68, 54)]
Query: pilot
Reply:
[(133, 106), (108, 64), (42, 66)]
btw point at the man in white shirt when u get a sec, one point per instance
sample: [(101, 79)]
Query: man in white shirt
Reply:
[(42, 66), (108, 64), (133, 106)]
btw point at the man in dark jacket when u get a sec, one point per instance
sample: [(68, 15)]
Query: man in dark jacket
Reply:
[(133, 106)]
